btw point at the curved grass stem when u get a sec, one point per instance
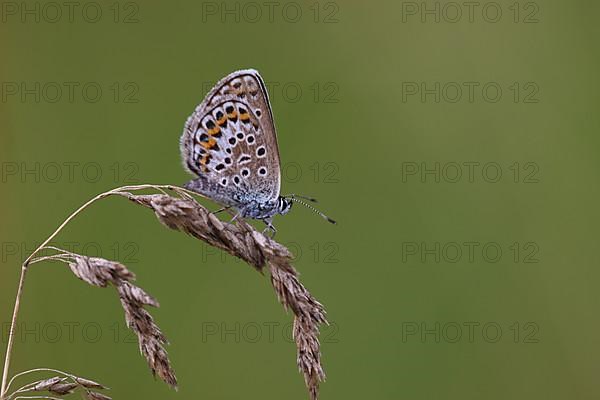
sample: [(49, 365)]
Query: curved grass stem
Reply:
[(30, 259)]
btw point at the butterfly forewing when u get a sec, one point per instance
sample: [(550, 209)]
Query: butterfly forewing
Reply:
[(230, 139)]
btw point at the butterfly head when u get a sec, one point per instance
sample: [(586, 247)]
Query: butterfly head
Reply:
[(284, 205)]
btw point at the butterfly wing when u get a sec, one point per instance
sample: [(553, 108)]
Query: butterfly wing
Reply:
[(230, 141)]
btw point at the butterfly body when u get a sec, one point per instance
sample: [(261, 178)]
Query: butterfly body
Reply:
[(247, 205), (230, 144)]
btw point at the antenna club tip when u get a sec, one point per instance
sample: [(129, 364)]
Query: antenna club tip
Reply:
[(308, 198), (332, 221)]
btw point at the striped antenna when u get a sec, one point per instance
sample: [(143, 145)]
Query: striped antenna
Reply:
[(296, 198)]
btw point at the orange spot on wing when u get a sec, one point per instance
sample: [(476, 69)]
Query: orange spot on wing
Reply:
[(203, 161), (209, 144)]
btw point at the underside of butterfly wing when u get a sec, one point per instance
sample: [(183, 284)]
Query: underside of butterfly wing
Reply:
[(231, 144)]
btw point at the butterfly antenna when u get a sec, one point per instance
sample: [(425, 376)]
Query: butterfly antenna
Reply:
[(297, 200), (311, 199)]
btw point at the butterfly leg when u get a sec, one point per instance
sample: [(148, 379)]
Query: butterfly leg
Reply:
[(221, 209), (235, 217), (270, 227)]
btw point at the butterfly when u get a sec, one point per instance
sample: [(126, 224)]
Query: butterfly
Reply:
[(230, 144)]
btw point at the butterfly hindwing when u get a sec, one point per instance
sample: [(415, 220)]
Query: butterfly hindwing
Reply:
[(230, 141)]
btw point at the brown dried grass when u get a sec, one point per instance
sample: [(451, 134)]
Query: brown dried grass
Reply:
[(61, 385), (101, 272), (180, 212), (243, 241)]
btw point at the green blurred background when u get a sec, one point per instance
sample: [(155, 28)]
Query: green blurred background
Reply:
[(358, 130)]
